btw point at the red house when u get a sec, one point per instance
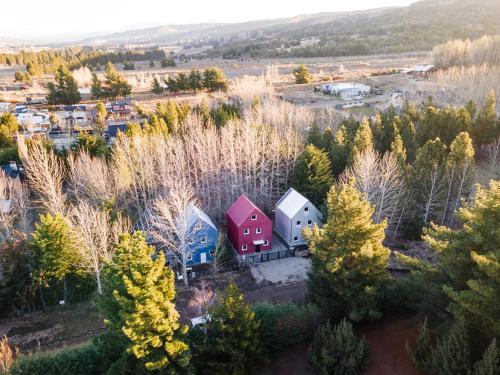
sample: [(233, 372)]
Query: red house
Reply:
[(248, 229)]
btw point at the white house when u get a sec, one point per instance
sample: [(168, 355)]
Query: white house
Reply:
[(294, 212), (346, 90)]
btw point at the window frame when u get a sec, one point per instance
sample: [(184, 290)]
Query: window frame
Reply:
[(244, 247), (258, 230), (298, 222), (246, 231), (253, 217)]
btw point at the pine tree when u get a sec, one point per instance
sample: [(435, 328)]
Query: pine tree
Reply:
[(348, 259), (339, 152), (96, 87), (302, 75), (65, 90), (469, 259), (232, 343), (138, 305), (337, 351), (486, 127), (55, 251), (362, 140), (215, 80), (398, 149), (156, 87), (313, 175), (490, 363), (115, 85)]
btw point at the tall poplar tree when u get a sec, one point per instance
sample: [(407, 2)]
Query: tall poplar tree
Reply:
[(348, 259)]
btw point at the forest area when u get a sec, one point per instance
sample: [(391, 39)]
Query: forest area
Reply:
[(421, 173)]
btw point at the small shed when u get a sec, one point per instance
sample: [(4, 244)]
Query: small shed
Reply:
[(249, 230), (294, 212), (202, 236)]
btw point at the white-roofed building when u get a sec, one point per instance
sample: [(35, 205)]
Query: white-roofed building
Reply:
[(346, 90), (294, 212)]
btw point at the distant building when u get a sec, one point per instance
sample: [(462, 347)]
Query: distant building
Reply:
[(120, 107), (346, 90), (249, 230), (294, 212), (31, 120), (4, 107), (420, 71)]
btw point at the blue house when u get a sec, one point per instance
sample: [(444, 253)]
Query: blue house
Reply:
[(202, 236)]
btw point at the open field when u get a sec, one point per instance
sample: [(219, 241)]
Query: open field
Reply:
[(278, 70)]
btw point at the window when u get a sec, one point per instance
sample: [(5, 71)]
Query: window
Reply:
[(203, 240), (246, 231), (306, 208), (266, 242), (253, 217), (295, 238), (197, 226), (298, 222), (258, 230), (191, 241), (309, 222), (212, 253), (189, 257), (244, 247)]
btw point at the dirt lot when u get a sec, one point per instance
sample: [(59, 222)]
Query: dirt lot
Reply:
[(387, 340), (284, 271)]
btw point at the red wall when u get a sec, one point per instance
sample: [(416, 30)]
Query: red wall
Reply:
[(237, 238)]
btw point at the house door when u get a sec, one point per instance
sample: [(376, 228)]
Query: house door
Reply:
[(203, 257), (257, 248)]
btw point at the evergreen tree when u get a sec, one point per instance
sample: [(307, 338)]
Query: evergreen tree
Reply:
[(195, 80), (151, 63), (313, 175), (302, 75), (55, 251), (232, 344), (138, 304), (348, 259), (315, 136), (337, 351), (469, 257), (96, 87), (449, 356), (65, 90), (486, 128), (8, 128), (156, 87), (214, 80), (95, 145), (339, 152), (362, 140), (397, 148), (115, 85), (490, 363)]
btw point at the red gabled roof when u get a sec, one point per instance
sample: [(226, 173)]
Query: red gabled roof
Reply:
[(241, 210)]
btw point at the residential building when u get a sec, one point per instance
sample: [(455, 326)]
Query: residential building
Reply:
[(294, 212), (249, 230)]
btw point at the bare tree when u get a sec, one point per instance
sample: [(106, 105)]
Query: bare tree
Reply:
[(45, 174), (202, 299), (381, 180), (170, 225), (98, 234)]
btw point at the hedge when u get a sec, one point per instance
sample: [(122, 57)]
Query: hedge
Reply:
[(283, 325)]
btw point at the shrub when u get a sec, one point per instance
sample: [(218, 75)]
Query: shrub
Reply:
[(336, 351), (93, 358), (283, 325)]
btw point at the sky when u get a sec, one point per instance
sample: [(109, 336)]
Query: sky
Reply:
[(68, 19)]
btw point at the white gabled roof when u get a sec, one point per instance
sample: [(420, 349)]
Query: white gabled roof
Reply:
[(195, 213), (291, 203)]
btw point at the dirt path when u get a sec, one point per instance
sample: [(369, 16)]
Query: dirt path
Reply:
[(387, 340)]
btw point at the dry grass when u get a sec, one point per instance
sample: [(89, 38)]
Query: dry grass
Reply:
[(7, 355)]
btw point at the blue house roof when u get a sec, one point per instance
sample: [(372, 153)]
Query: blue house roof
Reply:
[(113, 129), (9, 171), (194, 214)]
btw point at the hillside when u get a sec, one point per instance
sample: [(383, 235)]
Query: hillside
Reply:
[(419, 26)]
